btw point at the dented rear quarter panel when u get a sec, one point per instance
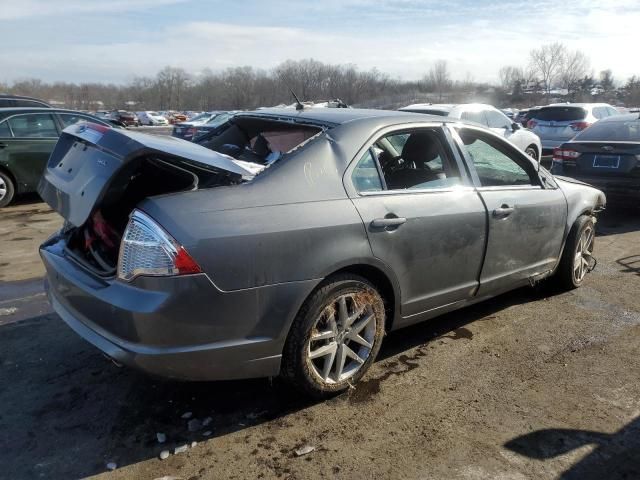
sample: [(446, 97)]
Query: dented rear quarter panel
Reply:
[(293, 222)]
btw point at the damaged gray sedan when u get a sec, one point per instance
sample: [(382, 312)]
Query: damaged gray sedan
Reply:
[(293, 240)]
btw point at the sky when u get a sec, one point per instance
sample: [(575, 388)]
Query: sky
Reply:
[(117, 40)]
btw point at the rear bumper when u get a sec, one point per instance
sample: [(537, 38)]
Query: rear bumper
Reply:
[(175, 327)]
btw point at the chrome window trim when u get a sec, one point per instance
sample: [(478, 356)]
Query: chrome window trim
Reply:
[(372, 193), (509, 187)]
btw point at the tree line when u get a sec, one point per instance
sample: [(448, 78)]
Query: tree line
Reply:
[(547, 69)]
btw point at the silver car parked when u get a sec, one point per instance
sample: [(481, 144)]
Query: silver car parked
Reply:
[(293, 251), (490, 117), (560, 122)]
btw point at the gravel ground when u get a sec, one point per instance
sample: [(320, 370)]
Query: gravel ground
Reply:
[(533, 384)]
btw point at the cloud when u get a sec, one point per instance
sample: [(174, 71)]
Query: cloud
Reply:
[(14, 10), (402, 38)]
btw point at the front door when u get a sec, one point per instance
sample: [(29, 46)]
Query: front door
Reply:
[(423, 217), (527, 218)]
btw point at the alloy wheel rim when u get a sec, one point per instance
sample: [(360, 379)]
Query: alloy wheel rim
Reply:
[(583, 255), (531, 153), (342, 338), (3, 188)]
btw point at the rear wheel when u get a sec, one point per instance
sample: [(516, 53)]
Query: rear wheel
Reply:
[(335, 337), (7, 189), (577, 258)]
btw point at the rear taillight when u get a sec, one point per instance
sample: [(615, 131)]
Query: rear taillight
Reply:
[(565, 156), (146, 249), (531, 124), (579, 126)]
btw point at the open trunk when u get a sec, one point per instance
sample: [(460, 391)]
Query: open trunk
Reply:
[(96, 176)]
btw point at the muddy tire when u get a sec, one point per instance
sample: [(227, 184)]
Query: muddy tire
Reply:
[(576, 257), (7, 189), (335, 337)]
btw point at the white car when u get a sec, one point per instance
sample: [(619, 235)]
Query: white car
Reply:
[(488, 116), (151, 118)]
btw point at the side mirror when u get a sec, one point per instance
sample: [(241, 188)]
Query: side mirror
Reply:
[(515, 126)]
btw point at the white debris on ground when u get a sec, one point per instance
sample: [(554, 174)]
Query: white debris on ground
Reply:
[(180, 449), (193, 444), (8, 311), (304, 450), (161, 437), (207, 433), (111, 466), (164, 454), (187, 415)]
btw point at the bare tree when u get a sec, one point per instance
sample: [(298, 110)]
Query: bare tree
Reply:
[(439, 77), (547, 62), (511, 78), (574, 68)]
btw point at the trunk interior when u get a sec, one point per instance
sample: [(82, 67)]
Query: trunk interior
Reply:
[(96, 243)]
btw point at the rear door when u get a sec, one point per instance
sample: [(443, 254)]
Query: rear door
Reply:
[(33, 136), (423, 218), (526, 217)]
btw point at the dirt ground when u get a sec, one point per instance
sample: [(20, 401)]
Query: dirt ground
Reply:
[(533, 384)]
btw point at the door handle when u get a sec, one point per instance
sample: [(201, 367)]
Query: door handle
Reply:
[(3, 145), (504, 211), (388, 222)]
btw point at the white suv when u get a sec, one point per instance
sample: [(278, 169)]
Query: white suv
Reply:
[(487, 116), (560, 122)]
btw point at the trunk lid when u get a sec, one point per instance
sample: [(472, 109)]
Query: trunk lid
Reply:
[(609, 159), (87, 157)]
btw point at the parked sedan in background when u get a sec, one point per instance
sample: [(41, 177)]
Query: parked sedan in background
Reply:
[(128, 119), (27, 138), (349, 223), (488, 116), (606, 155), (560, 122), (208, 130), (196, 128), (151, 118), (187, 129)]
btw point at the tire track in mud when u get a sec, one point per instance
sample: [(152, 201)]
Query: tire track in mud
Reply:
[(366, 389)]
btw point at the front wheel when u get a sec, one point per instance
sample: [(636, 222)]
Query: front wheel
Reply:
[(577, 257), (335, 337)]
